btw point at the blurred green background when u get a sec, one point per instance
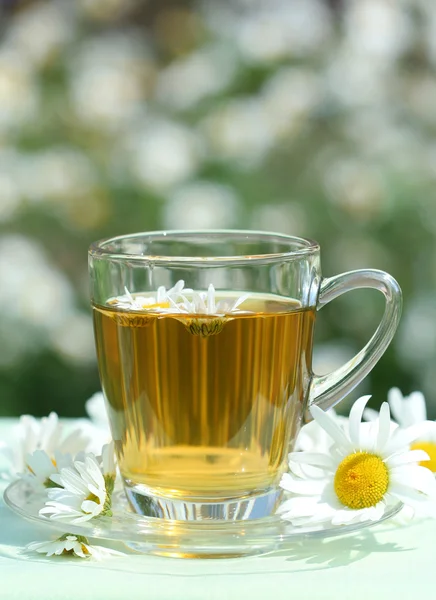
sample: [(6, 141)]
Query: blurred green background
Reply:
[(308, 117)]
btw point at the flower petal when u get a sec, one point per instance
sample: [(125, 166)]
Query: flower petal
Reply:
[(315, 459), (302, 486), (384, 427), (416, 477), (404, 458), (355, 420), (331, 427), (402, 438)]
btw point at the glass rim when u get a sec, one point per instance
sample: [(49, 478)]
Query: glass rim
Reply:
[(308, 246)]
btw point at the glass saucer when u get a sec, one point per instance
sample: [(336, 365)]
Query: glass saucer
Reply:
[(182, 539)]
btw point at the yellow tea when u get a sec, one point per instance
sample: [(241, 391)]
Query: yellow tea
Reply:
[(204, 406)]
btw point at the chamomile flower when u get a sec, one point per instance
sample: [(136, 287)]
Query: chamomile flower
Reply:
[(41, 467), (408, 411), (365, 470), (158, 303), (46, 434), (205, 304), (85, 489), (74, 545)]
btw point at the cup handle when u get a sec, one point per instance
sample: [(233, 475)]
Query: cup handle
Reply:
[(325, 391)]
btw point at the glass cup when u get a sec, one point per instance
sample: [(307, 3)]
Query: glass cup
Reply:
[(204, 343)]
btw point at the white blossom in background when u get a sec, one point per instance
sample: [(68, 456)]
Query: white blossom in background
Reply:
[(189, 80), (74, 545), (109, 79), (288, 98), (10, 193), (201, 205), (106, 10), (57, 174), (357, 251), (240, 130), (32, 290), (19, 95), (162, 153), (429, 27), (287, 217), (357, 188), (280, 29), (40, 31), (73, 339), (381, 135), (415, 340), (378, 28), (356, 80)]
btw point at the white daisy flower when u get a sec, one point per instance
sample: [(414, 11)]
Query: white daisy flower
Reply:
[(408, 411), (41, 467), (205, 304), (45, 434), (85, 490), (365, 470), (75, 545), (162, 302)]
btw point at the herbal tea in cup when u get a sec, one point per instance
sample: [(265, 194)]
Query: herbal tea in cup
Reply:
[(204, 344)]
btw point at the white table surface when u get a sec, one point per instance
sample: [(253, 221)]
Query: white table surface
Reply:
[(385, 561)]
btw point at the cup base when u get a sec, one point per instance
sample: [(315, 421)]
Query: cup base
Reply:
[(253, 506)]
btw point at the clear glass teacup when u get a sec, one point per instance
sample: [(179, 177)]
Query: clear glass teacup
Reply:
[(204, 342)]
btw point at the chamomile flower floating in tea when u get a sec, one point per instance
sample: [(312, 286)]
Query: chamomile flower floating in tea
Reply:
[(179, 300), (408, 411), (158, 303), (73, 545), (46, 434), (366, 469), (84, 490), (205, 303)]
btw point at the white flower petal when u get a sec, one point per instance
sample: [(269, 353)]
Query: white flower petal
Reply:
[(315, 459), (301, 486), (108, 459), (419, 478), (409, 410), (329, 425), (355, 419), (404, 458), (72, 482), (384, 427)]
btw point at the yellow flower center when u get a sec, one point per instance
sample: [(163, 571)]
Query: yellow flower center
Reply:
[(93, 498), (361, 480), (430, 448)]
